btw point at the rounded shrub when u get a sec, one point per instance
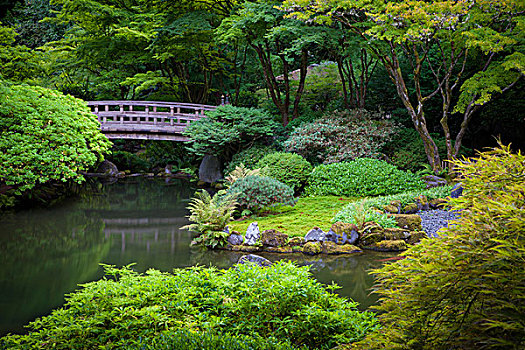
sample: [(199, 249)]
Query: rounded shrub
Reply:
[(249, 157), (258, 192), (361, 177), (289, 168)]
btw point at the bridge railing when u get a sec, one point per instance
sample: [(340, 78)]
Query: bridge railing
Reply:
[(148, 112)]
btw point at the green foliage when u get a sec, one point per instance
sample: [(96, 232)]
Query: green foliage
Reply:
[(249, 157), (210, 215), (18, 62), (228, 129), (45, 137), (280, 302), (464, 290), (241, 172), (260, 192), (289, 168), (341, 136), (361, 177), (129, 161), (359, 213)]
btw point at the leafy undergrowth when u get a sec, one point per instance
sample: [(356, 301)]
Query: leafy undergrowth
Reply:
[(279, 307), (298, 220)]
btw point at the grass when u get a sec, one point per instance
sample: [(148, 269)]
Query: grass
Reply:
[(298, 220)]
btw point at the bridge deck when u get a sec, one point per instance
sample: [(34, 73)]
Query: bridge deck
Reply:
[(148, 120)]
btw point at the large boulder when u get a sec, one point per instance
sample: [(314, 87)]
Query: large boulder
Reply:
[(457, 190), (254, 259), (342, 233), (312, 248), (252, 233), (107, 168), (411, 222), (235, 239), (388, 246), (315, 234), (330, 247), (296, 241), (273, 238), (210, 169)]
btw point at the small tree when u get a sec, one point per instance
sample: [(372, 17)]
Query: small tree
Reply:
[(464, 290)]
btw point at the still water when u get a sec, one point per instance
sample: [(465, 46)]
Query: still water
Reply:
[(46, 253)]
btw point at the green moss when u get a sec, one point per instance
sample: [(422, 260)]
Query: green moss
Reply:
[(312, 248), (298, 220)]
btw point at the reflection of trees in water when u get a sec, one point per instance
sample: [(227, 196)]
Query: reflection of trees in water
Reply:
[(44, 254)]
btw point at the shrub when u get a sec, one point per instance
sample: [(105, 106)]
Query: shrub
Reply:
[(259, 192), (362, 177), (228, 129), (210, 216), (249, 157), (348, 212), (130, 161), (289, 168), (46, 137), (281, 302), (341, 136), (241, 172), (464, 290), (358, 213)]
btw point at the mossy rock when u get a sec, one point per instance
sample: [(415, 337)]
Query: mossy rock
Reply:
[(410, 208), (334, 248), (249, 248), (391, 209), (273, 238), (296, 241), (297, 249), (422, 202), (383, 234), (438, 203), (286, 249), (388, 246), (312, 248), (416, 237), (342, 227), (411, 222)]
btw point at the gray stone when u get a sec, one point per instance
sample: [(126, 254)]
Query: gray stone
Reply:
[(254, 259), (457, 190), (210, 169), (342, 238), (315, 234), (252, 233), (107, 168), (434, 181), (235, 239)]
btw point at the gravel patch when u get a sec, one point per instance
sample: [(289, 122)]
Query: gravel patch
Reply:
[(433, 220)]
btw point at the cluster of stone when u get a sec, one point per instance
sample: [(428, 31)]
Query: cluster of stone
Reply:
[(420, 203)]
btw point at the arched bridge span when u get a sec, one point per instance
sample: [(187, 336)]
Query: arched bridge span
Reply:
[(147, 120)]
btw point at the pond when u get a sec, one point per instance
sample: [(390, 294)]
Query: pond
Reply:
[(45, 253)]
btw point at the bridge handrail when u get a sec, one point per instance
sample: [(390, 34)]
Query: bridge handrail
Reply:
[(151, 104)]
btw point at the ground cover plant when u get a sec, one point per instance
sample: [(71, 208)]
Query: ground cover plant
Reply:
[(361, 177), (296, 221), (464, 290), (279, 303)]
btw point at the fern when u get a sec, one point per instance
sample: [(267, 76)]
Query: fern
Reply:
[(210, 215), (240, 172)]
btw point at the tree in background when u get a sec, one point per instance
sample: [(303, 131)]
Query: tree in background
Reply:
[(440, 37)]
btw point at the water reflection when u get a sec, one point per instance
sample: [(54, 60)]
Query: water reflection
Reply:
[(46, 253)]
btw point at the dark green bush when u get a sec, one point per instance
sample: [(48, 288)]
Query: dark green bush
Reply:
[(129, 161), (259, 192), (249, 157), (281, 302), (341, 136), (228, 129), (466, 289), (289, 168), (361, 177)]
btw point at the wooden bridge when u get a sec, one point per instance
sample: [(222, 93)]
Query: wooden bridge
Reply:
[(147, 120)]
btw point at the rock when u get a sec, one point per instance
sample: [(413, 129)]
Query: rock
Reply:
[(437, 203), (391, 209), (342, 233), (297, 248), (201, 184), (107, 168), (411, 222), (383, 234), (388, 246), (273, 238), (434, 181), (296, 241), (252, 233), (330, 247), (416, 237), (210, 169), (457, 190), (254, 259), (312, 248), (226, 229), (315, 234), (235, 239), (410, 208), (422, 202), (249, 248), (286, 249)]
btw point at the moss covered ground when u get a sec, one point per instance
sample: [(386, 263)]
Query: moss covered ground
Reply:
[(299, 219)]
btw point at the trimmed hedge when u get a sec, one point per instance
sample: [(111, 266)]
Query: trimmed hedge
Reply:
[(259, 192), (361, 177), (289, 168), (249, 157)]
